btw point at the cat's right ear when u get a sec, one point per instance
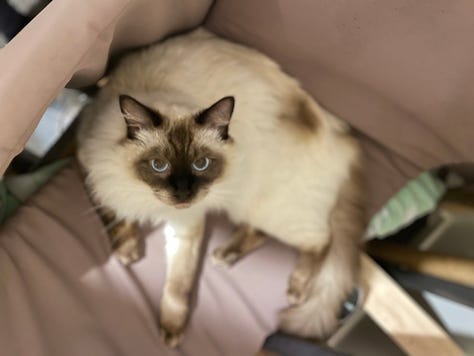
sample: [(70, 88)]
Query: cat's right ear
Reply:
[(217, 116), (137, 116)]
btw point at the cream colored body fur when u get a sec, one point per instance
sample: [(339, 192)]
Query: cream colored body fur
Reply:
[(282, 178)]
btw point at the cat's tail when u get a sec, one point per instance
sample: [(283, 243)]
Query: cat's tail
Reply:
[(337, 275)]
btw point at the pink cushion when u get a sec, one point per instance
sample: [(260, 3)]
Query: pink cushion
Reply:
[(61, 293), (401, 72)]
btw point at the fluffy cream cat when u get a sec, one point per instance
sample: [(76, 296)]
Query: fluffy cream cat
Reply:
[(198, 124)]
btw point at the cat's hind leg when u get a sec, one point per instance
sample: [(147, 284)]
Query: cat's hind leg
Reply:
[(336, 273), (299, 283), (244, 241)]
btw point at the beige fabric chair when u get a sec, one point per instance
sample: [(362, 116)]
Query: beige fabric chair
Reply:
[(61, 293)]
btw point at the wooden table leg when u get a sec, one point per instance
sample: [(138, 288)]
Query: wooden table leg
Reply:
[(400, 317)]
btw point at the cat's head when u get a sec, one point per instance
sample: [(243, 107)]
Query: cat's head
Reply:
[(178, 157)]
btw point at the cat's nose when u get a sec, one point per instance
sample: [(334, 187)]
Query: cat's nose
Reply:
[(183, 188), (183, 184), (183, 194)]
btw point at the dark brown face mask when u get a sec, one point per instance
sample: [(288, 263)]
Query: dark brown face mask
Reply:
[(177, 168)]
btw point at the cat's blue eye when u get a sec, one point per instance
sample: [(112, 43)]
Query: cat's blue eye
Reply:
[(159, 165), (201, 164)]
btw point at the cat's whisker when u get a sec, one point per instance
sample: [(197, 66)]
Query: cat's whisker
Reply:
[(111, 224), (92, 209)]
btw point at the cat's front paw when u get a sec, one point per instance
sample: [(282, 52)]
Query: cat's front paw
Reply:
[(172, 338), (224, 257), (130, 251), (174, 314), (128, 244)]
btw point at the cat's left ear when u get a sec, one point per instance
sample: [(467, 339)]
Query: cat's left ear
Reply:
[(218, 115), (137, 116)]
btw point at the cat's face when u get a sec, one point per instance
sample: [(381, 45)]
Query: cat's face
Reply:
[(181, 158)]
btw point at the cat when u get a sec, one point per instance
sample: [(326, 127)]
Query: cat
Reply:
[(197, 124)]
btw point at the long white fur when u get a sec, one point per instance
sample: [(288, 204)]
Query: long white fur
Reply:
[(279, 178)]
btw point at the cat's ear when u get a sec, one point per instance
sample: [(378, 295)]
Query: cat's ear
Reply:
[(218, 115), (137, 116)]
